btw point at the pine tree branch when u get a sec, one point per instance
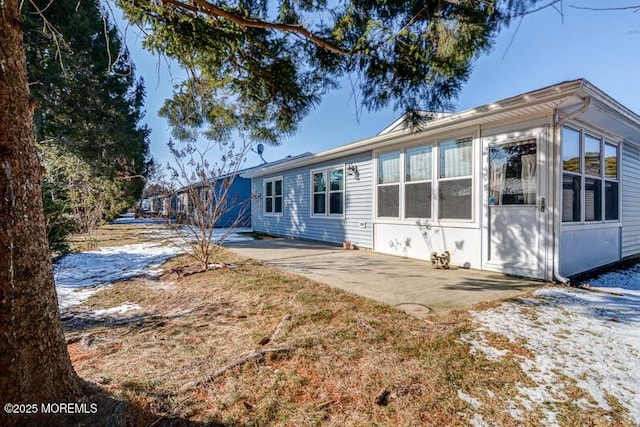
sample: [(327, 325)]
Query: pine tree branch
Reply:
[(202, 6)]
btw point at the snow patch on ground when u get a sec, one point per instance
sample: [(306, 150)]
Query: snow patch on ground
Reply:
[(78, 276), (469, 399), (592, 338), (121, 309), (130, 219)]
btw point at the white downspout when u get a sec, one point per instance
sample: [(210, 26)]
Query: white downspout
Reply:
[(557, 177)]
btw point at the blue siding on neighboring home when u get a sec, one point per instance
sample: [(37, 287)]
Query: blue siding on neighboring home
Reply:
[(240, 210), (238, 199), (296, 219)]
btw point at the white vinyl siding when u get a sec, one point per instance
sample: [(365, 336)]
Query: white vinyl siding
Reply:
[(297, 219), (630, 200)]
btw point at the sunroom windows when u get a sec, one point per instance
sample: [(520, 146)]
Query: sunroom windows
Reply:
[(408, 178), (590, 177), (417, 187), (328, 192), (389, 184), (455, 183)]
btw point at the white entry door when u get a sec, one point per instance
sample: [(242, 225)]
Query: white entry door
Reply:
[(515, 208)]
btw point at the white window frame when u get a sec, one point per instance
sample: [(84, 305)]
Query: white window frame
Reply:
[(405, 182), (272, 180), (604, 139), (436, 193), (326, 172), (399, 183), (434, 143)]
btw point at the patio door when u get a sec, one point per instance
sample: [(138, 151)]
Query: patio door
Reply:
[(515, 206)]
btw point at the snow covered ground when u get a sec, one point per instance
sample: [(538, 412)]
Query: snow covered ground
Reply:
[(590, 337), (129, 218), (80, 275)]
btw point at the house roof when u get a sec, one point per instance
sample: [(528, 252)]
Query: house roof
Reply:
[(563, 98)]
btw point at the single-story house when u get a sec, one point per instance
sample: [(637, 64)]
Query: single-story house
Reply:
[(544, 185), (223, 201)]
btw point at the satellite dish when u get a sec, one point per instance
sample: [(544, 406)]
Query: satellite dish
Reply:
[(260, 149)]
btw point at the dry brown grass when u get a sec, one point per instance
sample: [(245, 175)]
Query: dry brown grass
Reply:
[(121, 234), (352, 361)]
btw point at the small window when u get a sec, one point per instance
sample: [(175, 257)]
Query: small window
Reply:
[(389, 185), (570, 150), (591, 156), (319, 193), (389, 168), (336, 191), (571, 198), (513, 173), (455, 184), (611, 201), (592, 199), (273, 196), (455, 199), (456, 158), (328, 192), (610, 161), (417, 188)]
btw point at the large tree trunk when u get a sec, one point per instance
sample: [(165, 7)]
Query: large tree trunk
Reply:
[(34, 363)]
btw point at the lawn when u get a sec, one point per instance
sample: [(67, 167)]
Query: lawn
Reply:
[(249, 344)]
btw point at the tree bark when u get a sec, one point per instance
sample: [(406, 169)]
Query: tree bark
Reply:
[(34, 363)]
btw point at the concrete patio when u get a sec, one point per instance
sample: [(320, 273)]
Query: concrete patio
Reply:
[(409, 284)]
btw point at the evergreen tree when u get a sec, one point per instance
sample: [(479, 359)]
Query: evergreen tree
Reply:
[(89, 113), (259, 67)]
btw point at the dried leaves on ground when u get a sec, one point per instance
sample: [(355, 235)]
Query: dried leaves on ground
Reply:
[(251, 345)]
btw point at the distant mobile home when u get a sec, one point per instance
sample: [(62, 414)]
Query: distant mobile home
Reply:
[(542, 185), (233, 207)]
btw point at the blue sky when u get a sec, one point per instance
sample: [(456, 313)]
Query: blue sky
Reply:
[(544, 49)]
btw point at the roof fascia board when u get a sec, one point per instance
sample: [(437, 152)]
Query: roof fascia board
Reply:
[(455, 120), (605, 102)]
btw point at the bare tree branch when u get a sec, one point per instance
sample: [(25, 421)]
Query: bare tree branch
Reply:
[(635, 8), (552, 4)]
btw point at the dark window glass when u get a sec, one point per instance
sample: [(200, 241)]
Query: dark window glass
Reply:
[(592, 199), (318, 203), (318, 182), (417, 200), (389, 201), (277, 204), (335, 203), (611, 200), (278, 184), (269, 190), (455, 199), (570, 198), (337, 180), (512, 174), (268, 205)]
